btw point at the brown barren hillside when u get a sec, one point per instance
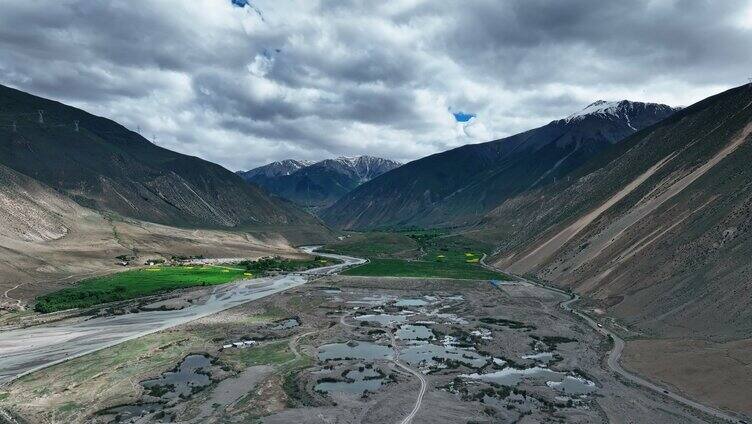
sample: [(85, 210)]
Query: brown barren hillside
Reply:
[(658, 230), (657, 233), (47, 240), (102, 165)]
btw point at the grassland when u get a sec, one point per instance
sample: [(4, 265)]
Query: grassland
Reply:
[(402, 268), (271, 353), (158, 279), (376, 245), (417, 254), (110, 376)]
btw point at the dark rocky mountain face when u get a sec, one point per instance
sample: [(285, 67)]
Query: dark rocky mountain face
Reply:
[(657, 229), (104, 166), (275, 169), (318, 184), (459, 186)]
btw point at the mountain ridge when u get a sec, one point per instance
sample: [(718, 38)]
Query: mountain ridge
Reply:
[(102, 165), (656, 230), (318, 184), (457, 187), (276, 169)]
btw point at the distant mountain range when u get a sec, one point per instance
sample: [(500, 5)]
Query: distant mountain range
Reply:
[(460, 186), (104, 166), (318, 184), (275, 169)]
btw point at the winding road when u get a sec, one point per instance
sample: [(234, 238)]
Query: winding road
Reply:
[(423, 385), (615, 354), (423, 382), (24, 351), (395, 360)]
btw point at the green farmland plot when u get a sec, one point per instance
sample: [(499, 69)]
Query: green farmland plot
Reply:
[(401, 268), (376, 245), (157, 279), (137, 283), (431, 254)]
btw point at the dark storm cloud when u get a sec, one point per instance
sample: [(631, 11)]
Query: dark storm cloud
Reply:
[(308, 79), (536, 39)]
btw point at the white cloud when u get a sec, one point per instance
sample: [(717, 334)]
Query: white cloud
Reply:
[(313, 79), (475, 129)]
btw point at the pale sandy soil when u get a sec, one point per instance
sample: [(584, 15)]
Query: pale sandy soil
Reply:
[(718, 373)]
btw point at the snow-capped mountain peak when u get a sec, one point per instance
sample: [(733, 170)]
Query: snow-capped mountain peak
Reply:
[(621, 109), (363, 168), (321, 183), (600, 107), (278, 168)]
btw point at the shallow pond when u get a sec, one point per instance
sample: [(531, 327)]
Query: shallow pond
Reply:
[(414, 332), (356, 382), (382, 319), (556, 380), (573, 385), (513, 376), (189, 377), (425, 354), (354, 350), (410, 302), (544, 357), (447, 318), (374, 300)]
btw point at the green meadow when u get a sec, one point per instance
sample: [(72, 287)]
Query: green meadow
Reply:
[(417, 254), (136, 283), (157, 279)]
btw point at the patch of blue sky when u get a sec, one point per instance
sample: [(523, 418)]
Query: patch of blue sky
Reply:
[(463, 117)]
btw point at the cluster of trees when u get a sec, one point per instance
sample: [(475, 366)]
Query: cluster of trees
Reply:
[(265, 266), (78, 298)]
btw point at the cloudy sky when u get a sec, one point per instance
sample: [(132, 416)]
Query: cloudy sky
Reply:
[(243, 84)]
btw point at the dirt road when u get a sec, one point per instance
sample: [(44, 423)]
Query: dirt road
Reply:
[(395, 360), (614, 357), (615, 354)]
